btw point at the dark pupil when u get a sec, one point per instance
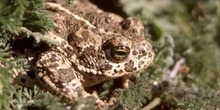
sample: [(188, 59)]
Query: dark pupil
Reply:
[(121, 52)]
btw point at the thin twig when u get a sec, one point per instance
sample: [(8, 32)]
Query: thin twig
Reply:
[(174, 72)]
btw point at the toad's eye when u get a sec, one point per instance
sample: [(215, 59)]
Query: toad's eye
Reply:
[(119, 53)]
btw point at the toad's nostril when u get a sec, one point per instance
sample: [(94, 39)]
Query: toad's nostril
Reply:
[(23, 80)]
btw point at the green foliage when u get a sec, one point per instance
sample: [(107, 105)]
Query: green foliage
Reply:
[(35, 17), (206, 99), (11, 15), (27, 99), (84, 104), (5, 67), (18, 14), (17, 18), (136, 95), (8, 65)]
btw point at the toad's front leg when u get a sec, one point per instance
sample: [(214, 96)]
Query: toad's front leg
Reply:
[(56, 74)]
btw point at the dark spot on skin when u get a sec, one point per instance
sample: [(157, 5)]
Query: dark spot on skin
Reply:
[(23, 80), (126, 24), (129, 67), (106, 30), (53, 58), (149, 54), (135, 68), (115, 71), (140, 63), (134, 52), (121, 71), (108, 20), (142, 53), (31, 74), (108, 67), (81, 62), (134, 31)]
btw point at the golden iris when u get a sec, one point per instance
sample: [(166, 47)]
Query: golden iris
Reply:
[(120, 53)]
